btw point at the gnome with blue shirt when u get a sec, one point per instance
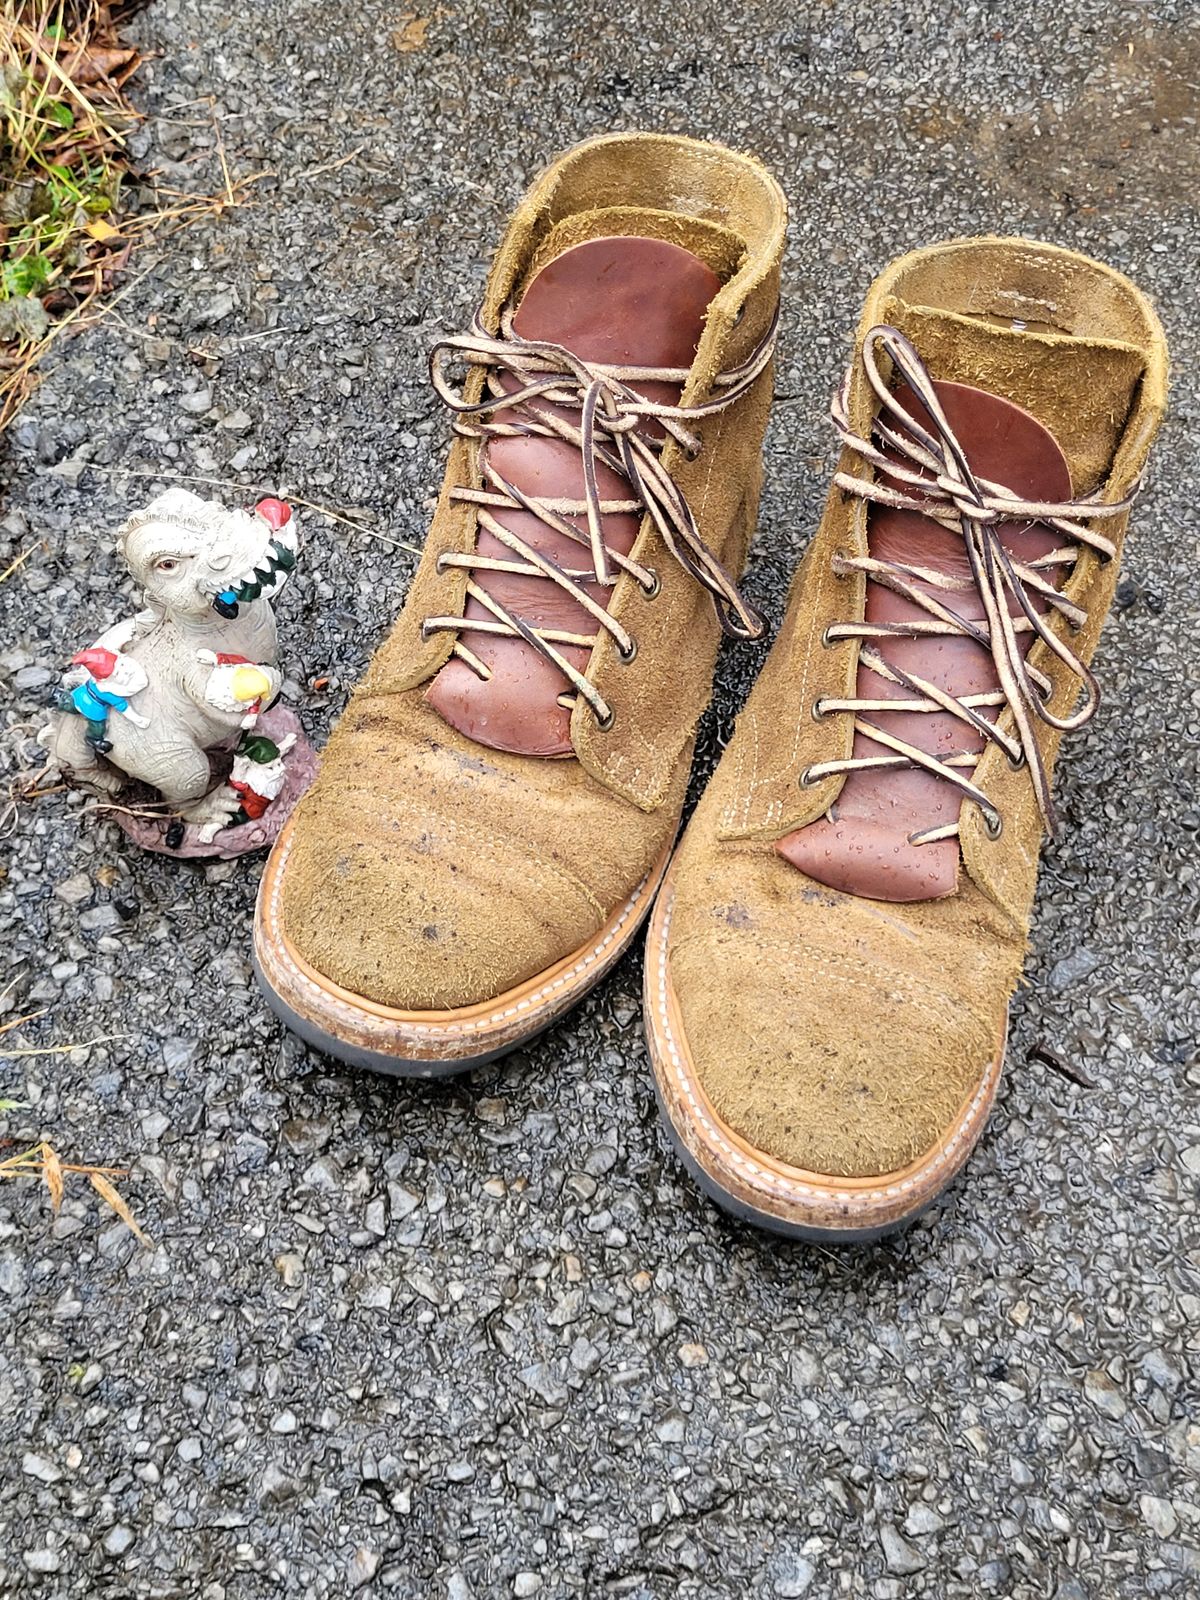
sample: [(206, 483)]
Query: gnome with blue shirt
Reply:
[(100, 681)]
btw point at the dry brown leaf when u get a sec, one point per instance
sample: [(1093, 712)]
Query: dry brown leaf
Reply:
[(111, 1198), (410, 35), (97, 63)]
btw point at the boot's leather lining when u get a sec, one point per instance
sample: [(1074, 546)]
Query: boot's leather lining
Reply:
[(866, 846)]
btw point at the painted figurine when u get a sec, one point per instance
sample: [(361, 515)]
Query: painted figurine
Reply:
[(99, 681), (259, 772), (169, 698)]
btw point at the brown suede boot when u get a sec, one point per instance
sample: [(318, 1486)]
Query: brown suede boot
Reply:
[(831, 957), (498, 804)]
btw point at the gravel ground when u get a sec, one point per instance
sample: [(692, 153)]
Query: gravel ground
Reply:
[(485, 1340)]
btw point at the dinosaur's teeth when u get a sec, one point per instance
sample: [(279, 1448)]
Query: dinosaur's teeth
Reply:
[(278, 559)]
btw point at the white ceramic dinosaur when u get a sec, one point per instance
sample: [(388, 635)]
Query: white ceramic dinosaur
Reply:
[(208, 575)]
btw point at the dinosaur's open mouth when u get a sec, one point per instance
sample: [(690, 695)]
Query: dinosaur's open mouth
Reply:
[(266, 576)]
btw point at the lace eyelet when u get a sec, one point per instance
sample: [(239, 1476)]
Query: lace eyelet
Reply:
[(993, 827), (816, 711), (826, 642), (626, 656), (807, 781), (605, 722), (437, 565), (654, 589)]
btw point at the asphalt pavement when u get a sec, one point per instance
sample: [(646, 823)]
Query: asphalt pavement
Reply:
[(485, 1339)]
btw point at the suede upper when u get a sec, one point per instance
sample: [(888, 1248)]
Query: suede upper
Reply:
[(426, 871), (435, 872), (841, 1035)]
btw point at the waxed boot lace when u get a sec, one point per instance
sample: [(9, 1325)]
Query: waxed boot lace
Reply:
[(934, 478), (599, 412)]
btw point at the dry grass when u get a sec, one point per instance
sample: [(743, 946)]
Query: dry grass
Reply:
[(64, 120), (42, 1161), (64, 233)]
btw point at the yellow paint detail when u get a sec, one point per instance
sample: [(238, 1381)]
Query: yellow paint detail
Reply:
[(249, 683)]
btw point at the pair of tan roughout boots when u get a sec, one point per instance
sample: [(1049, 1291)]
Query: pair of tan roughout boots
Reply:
[(833, 944)]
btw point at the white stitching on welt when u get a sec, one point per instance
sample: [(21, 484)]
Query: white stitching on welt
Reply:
[(433, 1031), (752, 1169)]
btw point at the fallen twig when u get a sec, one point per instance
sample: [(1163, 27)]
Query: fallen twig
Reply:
[(1041, 1051)]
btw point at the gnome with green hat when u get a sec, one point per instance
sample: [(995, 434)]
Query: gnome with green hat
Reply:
[(258, 773)]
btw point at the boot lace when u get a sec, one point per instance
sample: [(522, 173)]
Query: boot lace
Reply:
[(597, 410), (935, 479)]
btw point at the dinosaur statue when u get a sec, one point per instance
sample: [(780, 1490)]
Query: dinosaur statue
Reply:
[(192, 671)]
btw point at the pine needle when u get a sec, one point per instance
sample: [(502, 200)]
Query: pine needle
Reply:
[(60, 1049), (19, 561), (19, 1022)]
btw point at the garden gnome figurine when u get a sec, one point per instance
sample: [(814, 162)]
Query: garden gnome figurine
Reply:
[(99, 681), (158, 713)]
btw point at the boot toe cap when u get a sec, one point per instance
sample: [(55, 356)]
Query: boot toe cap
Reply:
[(428, 874), (815, 1045)]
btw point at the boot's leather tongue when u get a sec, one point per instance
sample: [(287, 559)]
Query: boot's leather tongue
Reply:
[(618, 302), (865, 848)]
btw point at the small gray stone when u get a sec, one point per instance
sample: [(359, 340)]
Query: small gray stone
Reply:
[(902, 1558), (1104, 1394), (276, 1484), (672, 1429), (1071, 1589), (1071, 969), (103, 918), (73, 891), (922, 1519), (362, 1567), (1159, 1515), (217, 309), (584, 1357), (179, 1054), (791, 1574), (40, 1468), (119, 1539), (542, 1380)]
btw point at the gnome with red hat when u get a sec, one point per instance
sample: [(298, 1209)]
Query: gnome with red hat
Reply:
[(98, 681)]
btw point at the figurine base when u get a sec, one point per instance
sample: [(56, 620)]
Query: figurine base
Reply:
[(300, 768)]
